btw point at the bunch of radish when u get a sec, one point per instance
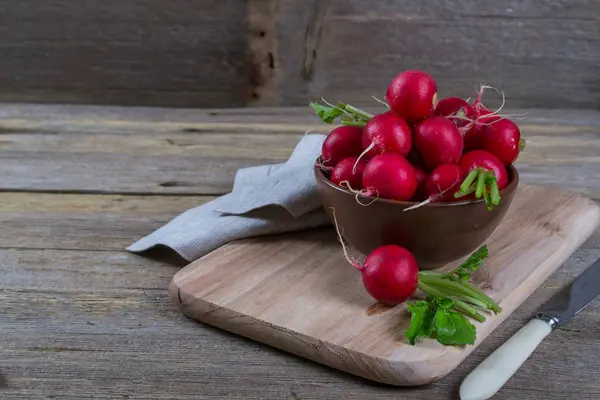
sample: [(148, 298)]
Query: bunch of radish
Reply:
[(421, 149)]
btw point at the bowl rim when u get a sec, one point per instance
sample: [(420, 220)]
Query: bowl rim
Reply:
[(513, 181)]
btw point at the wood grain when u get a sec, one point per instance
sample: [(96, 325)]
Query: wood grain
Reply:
[(300, 295), (109, 330), (158, 151), (175, 53), (210, 53)]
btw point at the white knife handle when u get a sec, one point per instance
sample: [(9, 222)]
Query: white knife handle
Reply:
[(489, 376)]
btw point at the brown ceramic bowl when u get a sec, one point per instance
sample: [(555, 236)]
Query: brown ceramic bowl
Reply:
[(436, 233)]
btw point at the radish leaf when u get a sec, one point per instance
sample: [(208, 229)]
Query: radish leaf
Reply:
[(452, 328), (471, 264), (326, 114), (421, 320), (433, 318)]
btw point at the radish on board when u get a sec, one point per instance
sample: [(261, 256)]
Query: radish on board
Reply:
[(389, 176), (438, 142), (342, 142), (345, 175), (501, 138), (385, 133), (412, 95)]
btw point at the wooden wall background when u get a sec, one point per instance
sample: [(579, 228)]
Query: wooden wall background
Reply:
[(228, 53)]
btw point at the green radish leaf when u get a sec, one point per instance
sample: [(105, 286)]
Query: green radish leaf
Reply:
[(325, 113), (452, 328), (470, 265), (421, 321)]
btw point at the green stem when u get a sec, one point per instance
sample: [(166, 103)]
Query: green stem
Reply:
[(468, 293), (480, 184), (358, 112), (488, 200), (494, 192), (431, 273), (350, 122), (461, 193), (458, 304), (468, 180), (522, 144)]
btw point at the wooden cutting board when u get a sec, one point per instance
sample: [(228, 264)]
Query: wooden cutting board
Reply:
[(296, 292)]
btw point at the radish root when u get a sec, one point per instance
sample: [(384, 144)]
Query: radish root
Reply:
[(431, 199), (380, 101), (350, 260), (362, 192), (362, 155)]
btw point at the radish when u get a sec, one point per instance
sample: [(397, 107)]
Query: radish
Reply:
[(385, 133), (438, 142), (456, 110), (389, 176), (390, 274), (342, 142), (345, 175), (502, 139), (472, 131), (487, 161), (443, 182), (412, 95), (486, 177)]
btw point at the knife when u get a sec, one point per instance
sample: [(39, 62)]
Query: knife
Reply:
[(489, 376)]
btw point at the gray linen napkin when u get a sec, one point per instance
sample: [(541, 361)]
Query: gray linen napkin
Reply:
[(265, 199)]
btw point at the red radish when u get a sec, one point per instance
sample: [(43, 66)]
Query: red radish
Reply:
[(501, 138), (438, 142), (385, 133), (472, 136), (458, 110), (390, 274), (342, 142), (485, 160), (443, 182), (412, 95), (390, 176), (342, 175), (421, 177)]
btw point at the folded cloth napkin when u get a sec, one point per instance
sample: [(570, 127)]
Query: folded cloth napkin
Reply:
[(265, 199)]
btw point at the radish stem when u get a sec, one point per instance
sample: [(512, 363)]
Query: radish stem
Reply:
[(357, 112), (469, 293), (351, 122), (468, 180), (480, 184), (458, 304), (494, 192)]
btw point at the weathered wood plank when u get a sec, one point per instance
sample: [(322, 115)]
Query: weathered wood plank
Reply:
[(543, 54), (85, 324), (150, 150), (153, 52), (268, 52)]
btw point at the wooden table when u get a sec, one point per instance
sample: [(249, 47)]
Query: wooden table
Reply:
[(82, 318)]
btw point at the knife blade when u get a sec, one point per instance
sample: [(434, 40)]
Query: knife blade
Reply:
[(489, 376)]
